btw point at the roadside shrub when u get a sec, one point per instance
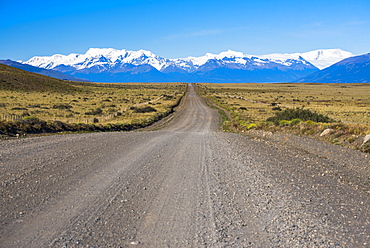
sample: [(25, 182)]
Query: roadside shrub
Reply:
[(284, 123), (359, 129), (351, 140), (295, 122), (31, 119), (168, 97), (146, 109), (277, 109), (3, 127), (17, 108), (310, 123), (62, 106), (97, 111), (58, 126), (299, 113)]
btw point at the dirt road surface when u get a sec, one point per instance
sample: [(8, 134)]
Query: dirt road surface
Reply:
[(185, 185)]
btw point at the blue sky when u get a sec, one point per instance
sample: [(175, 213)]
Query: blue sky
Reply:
[(174, 29)]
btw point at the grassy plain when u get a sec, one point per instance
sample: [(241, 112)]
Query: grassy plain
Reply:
[(100, 103), (349, 103), (33, 103), (250, 105)]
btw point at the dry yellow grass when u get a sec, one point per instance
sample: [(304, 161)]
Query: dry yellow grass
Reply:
[(348, 103), (249, 106), (109, 103)]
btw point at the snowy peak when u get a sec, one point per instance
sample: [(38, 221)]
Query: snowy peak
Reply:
[(107, 58), (241, 60), (95, 52), (103, 57), (320, 58), (227, 55), (350, 70), (325, 58), (112, 65)]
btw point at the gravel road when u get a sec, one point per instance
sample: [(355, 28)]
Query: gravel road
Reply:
[(185, 185)]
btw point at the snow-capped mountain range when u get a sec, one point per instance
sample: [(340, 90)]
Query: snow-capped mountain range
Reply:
[(320, 58), (111, 65), (111, 57)]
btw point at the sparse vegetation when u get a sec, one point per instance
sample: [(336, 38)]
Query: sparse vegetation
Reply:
[(14, 79), (146, 109), (60, 106), (75, 106), (300, 114), (97, 111), (304, 109)]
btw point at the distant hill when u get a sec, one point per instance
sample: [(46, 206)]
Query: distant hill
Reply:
[(351, 70), (19, 80), (42, 71)]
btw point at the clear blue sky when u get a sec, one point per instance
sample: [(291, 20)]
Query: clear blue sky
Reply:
[(173, 28)]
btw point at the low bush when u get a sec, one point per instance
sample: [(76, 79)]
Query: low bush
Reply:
[(168, 97), (299, 113), (31, 119), (17, 108), (62, 106), (310, 123), (146, 109), (284, 123), (295, 122), (97, 111)]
